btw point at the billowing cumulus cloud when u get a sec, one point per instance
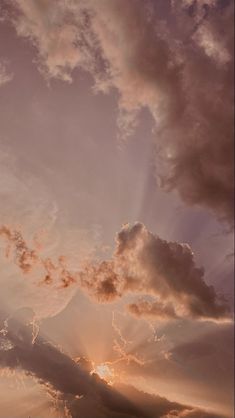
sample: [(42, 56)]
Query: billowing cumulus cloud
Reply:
[(78, 392), (142, 263), (173, 58)]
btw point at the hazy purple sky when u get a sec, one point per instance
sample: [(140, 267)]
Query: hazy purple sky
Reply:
[(116, 152)]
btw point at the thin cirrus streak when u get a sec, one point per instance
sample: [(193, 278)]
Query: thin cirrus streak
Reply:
[(142, 263)]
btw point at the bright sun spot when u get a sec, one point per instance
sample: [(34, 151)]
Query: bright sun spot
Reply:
[(105, 373)]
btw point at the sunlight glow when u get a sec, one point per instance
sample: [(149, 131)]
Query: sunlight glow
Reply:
[(105, 373)]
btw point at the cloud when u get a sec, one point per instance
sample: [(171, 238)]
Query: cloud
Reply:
[(51, 30), (193, 413), (145, 263), (24, 257), (28, 259), (154, 310), (5, 76), (142, 263), (33, 240), (192, 364), (204, 353), (175, 59), (21, 261), (78, 392), (53, 368)]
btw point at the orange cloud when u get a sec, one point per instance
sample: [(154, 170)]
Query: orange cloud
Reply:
[(27, 259), (155, 310), (142, 263), (76, 390)]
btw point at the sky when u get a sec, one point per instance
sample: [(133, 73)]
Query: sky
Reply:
[(116, 214)]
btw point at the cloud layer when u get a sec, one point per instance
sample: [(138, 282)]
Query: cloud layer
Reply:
[(76, 391), (173, 58), (174, 61), (142, 264)]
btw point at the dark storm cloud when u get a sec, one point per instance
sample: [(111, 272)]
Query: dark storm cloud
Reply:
[(80, 393), (173, 58)]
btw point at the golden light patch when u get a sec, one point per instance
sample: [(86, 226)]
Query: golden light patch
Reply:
[(105, 372)]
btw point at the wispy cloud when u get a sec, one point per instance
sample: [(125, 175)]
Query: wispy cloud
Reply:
[(5, 75)]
